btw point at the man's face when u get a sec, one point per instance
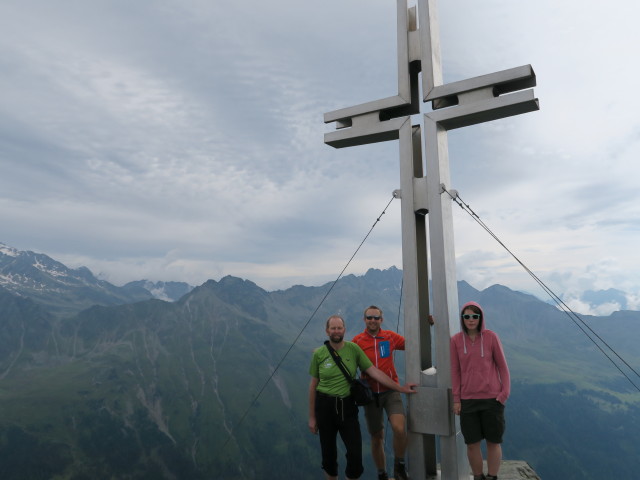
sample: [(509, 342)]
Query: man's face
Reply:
[(335, 330), (373, 320)]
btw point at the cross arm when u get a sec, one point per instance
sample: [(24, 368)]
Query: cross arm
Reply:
[(486, 111), (487, 86), (485, 98), (344, 115), (365, 129)]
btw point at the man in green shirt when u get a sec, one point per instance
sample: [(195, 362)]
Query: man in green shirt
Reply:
[(331, 409)]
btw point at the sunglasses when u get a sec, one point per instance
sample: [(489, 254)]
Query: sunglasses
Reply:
[(475, 316), (373, 317)]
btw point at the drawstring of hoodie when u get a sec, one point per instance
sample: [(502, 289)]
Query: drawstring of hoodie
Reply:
[(464, 343)]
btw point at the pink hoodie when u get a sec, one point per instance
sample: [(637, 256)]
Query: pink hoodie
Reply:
[(478, 369)]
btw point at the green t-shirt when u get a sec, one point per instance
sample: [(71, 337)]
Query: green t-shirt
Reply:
[(332, 381)]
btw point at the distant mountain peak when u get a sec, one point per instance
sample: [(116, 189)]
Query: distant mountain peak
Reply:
[(8, 251), (167, 291), (55, 286)]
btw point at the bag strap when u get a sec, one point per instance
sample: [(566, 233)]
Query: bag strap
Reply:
[(338, 361)]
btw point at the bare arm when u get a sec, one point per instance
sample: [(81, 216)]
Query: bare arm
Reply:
[(382, 378), (313, 424)]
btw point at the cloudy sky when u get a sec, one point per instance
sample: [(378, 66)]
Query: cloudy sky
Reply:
[(183, 140)]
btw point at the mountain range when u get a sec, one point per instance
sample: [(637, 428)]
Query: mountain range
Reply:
[(99, 381), (64, 290)]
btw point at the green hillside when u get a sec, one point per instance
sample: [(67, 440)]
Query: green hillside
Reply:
[(183, 390)]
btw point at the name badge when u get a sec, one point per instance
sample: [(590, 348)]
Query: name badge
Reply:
[(384, 349)]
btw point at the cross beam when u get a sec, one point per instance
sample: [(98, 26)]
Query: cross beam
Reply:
[(453, 105)]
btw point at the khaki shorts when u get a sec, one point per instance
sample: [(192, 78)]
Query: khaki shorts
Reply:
[(390, 402)]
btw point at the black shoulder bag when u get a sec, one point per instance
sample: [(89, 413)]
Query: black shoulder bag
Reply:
[(360, 390)]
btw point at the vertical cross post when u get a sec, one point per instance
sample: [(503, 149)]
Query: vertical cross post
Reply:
[(454, 105)]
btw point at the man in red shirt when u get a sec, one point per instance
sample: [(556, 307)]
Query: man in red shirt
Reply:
[(379, 345)]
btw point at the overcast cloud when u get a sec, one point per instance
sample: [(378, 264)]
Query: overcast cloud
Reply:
[(183, 140)]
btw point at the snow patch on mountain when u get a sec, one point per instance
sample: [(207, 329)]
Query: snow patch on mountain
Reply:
[(8, 251)]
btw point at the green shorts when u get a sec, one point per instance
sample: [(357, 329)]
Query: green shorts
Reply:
[(482, 418), (390, 402)]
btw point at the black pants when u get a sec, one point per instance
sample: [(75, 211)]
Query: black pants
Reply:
[(339, 415)]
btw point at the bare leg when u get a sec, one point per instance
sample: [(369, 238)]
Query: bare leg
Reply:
[(474, 454), (494, 457), (397, 422)]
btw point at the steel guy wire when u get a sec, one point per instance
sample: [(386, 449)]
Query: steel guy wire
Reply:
[(575, 318), (326, 295)]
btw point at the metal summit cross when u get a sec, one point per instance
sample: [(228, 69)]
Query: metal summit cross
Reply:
[(454, 105)]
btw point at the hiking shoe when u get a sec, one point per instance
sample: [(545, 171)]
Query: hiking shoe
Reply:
[(399, 472), (383, 476)]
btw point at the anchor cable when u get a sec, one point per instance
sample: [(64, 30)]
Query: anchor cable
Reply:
[(575, 318), (275, 370)]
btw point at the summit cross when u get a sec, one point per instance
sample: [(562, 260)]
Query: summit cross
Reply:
[(454, 105)]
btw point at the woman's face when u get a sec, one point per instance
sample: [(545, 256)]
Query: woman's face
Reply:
[(469, 321)]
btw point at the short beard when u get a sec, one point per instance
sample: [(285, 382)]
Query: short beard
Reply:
[(340, 338)]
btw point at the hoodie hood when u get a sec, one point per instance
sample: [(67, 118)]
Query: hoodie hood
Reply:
[(481, 326)]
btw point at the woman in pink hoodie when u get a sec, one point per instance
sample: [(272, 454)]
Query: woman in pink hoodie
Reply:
[(481, 386)]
